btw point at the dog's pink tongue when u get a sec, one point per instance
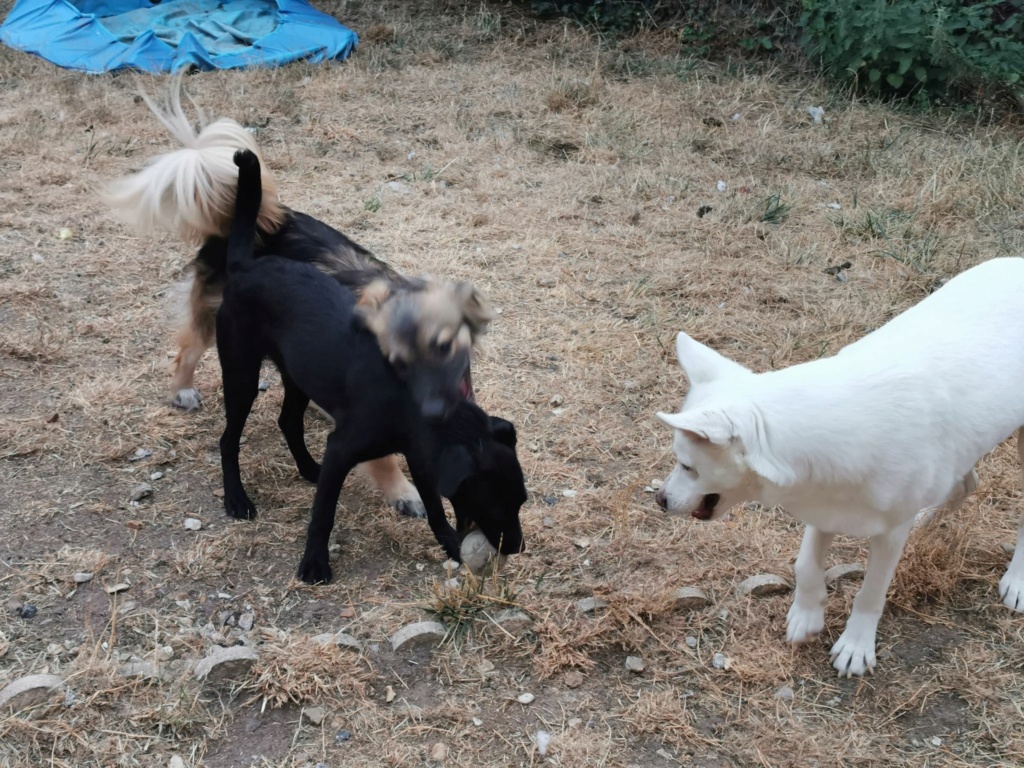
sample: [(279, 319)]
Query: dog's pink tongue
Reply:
[(700, 513), (466, 388)]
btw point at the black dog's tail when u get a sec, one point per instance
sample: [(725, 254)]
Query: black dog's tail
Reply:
[(248, 200)]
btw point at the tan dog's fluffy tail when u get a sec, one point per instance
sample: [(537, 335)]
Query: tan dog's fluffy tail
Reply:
[(191, 191)]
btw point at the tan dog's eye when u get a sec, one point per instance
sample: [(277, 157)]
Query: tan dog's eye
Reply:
[(443, 348)]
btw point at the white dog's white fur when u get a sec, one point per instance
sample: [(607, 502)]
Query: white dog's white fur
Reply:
[(861, 442)]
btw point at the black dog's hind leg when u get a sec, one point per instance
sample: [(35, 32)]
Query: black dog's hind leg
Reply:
[(293, 409), (425, 480), (241, 374), (338, 462)]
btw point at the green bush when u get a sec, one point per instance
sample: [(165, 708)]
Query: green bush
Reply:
[(936, 48), (614, 15)]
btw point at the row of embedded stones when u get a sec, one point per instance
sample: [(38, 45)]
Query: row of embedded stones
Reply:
[(223, 665), (226, 664)]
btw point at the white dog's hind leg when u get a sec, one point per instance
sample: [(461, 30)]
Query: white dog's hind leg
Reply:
[(854, 651), (963, 489), (806, 617), (1011, 586)]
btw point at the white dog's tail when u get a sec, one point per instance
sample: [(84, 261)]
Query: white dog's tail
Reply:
[(191, 191)]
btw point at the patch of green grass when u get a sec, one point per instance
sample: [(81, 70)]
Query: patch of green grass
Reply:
[(373, 204), (775, 211)]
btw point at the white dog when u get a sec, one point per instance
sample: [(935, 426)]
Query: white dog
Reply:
[(859, 443)]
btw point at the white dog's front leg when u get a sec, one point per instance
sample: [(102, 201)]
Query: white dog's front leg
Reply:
[(1011, 586), (806, 616), (854, 651)]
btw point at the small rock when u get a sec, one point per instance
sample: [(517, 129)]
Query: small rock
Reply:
[(635, 664), (246, 620), (835, 206), (556, 400), (342, 736), (193, 524), (542, 739), (315, 715), (655, 484), (399, 187), (264, 386), (936, 741), (843, 572), (525, 698), (225, 664), (590, 604), (438, 752), (421, 631), (689, 598), (28, 611), (341, 639), (816, 113), (1008, 548), (764, 584), (141, 491), (28, 691), (147, 670), (785, 693), (574, 721), (176, 762), (549, 522), (691, 641), (721, 186), (720, 661), (510, 620), (348, 612), (582, 543), (477, 721), (121, 586), (569, 493), (573, 679), (156, 476), (82, 577), (140, 454), (164, 653)]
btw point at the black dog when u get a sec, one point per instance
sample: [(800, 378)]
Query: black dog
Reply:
[(311, 328)]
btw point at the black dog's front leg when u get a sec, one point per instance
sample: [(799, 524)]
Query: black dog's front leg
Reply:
[(293, 409), (338, 462), (425, 480)]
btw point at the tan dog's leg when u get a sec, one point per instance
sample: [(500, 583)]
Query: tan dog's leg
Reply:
[(194, 339), (400, 493)]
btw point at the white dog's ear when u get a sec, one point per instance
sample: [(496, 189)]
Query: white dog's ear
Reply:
[(701, 363), (709, 426)]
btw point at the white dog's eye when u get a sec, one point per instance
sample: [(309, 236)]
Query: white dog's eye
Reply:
[(685, 467)]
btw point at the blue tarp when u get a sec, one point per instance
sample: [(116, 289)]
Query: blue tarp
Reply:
[(105, 35)]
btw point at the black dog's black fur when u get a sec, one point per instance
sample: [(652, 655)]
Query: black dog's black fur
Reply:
[(307, 323)]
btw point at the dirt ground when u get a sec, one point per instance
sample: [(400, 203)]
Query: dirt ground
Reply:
[(575, 181)]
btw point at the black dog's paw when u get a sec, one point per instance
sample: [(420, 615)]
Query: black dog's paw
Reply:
[(244, 158), (310, 472), (315, 568), (411, 507), (452, 549), (239, 506)]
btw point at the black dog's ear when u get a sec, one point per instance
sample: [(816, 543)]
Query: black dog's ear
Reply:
[(504, 431), (455, 466)]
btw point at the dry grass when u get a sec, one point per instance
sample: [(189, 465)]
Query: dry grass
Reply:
[(564, 175)]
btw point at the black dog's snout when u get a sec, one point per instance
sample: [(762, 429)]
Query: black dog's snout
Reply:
[(434, 408)]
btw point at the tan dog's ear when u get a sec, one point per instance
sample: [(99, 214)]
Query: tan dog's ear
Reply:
[(369, 306), (374, 294), (476, 310)]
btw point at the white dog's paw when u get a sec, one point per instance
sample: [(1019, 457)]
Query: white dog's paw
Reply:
[(1011, 590), (187, 400), (854, 653), (804, 624)]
